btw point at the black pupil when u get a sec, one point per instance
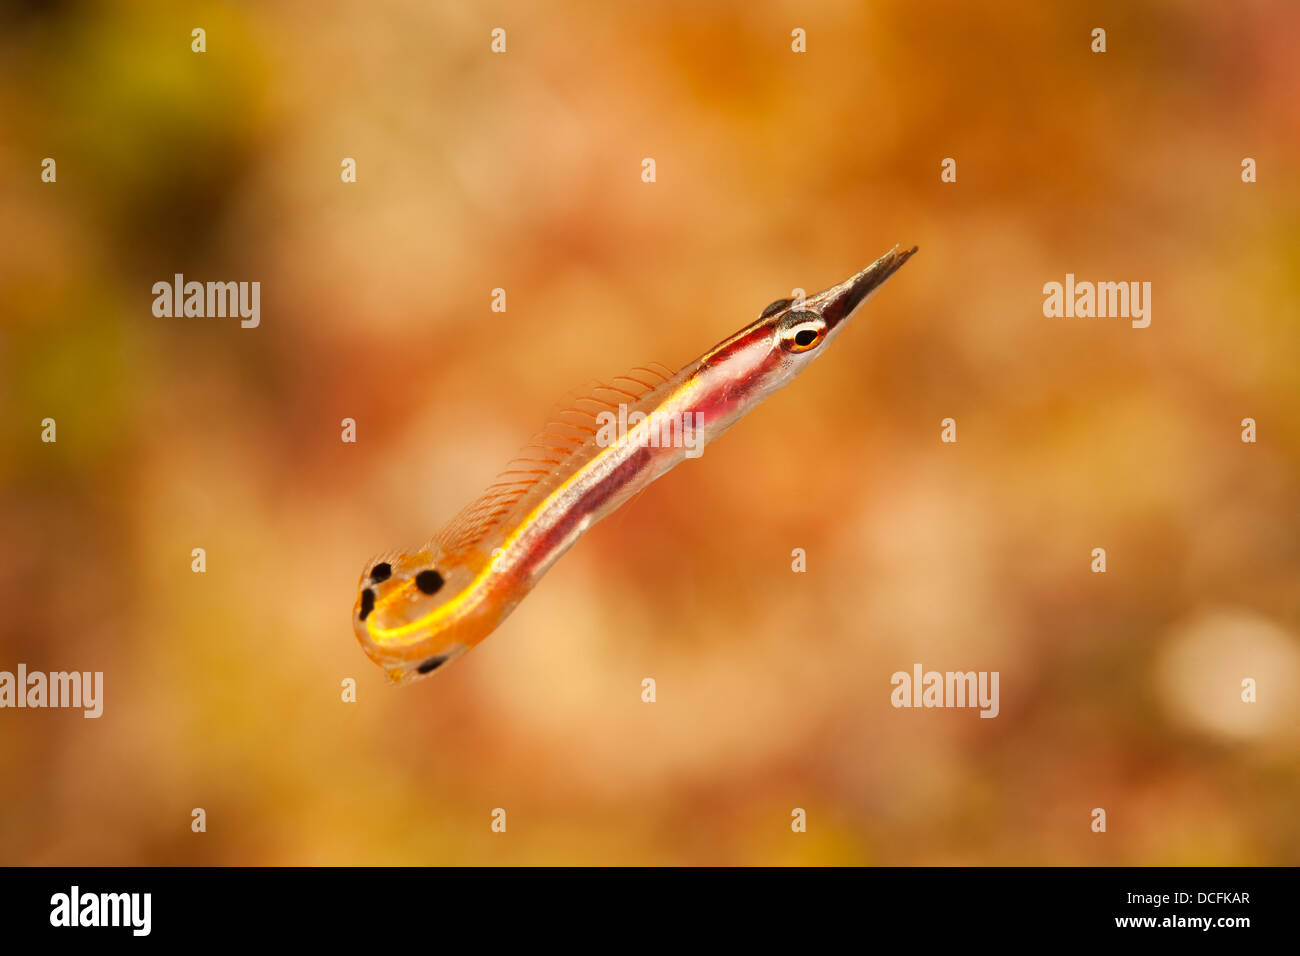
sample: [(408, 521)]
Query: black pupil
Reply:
[(805, 337), (428, 581)]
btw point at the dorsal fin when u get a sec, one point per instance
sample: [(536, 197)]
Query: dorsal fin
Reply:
[(566, 442)]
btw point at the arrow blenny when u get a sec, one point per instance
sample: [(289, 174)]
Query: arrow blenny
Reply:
[(416, 611)]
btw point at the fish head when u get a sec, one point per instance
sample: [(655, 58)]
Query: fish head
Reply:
[(790, 333), (802, 329)]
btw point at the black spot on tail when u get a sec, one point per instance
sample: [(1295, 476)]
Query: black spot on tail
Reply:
[(367, 602), (432, 664), (430, 581), (381, 572)]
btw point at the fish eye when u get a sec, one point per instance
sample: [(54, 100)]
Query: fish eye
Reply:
[(802, 331)]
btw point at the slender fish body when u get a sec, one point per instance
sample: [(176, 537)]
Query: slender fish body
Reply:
[(416, 611)]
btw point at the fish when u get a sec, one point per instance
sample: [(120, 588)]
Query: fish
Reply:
[(416, 611)]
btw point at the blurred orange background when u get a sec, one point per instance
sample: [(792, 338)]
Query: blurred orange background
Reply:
[(775, 170)]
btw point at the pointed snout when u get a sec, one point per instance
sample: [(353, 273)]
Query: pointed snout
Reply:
[(839, 302)]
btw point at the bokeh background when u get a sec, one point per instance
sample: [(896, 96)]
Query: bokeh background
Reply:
[(775, 171)]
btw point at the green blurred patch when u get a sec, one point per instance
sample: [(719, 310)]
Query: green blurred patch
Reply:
[(76, 364), (153, 137)]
